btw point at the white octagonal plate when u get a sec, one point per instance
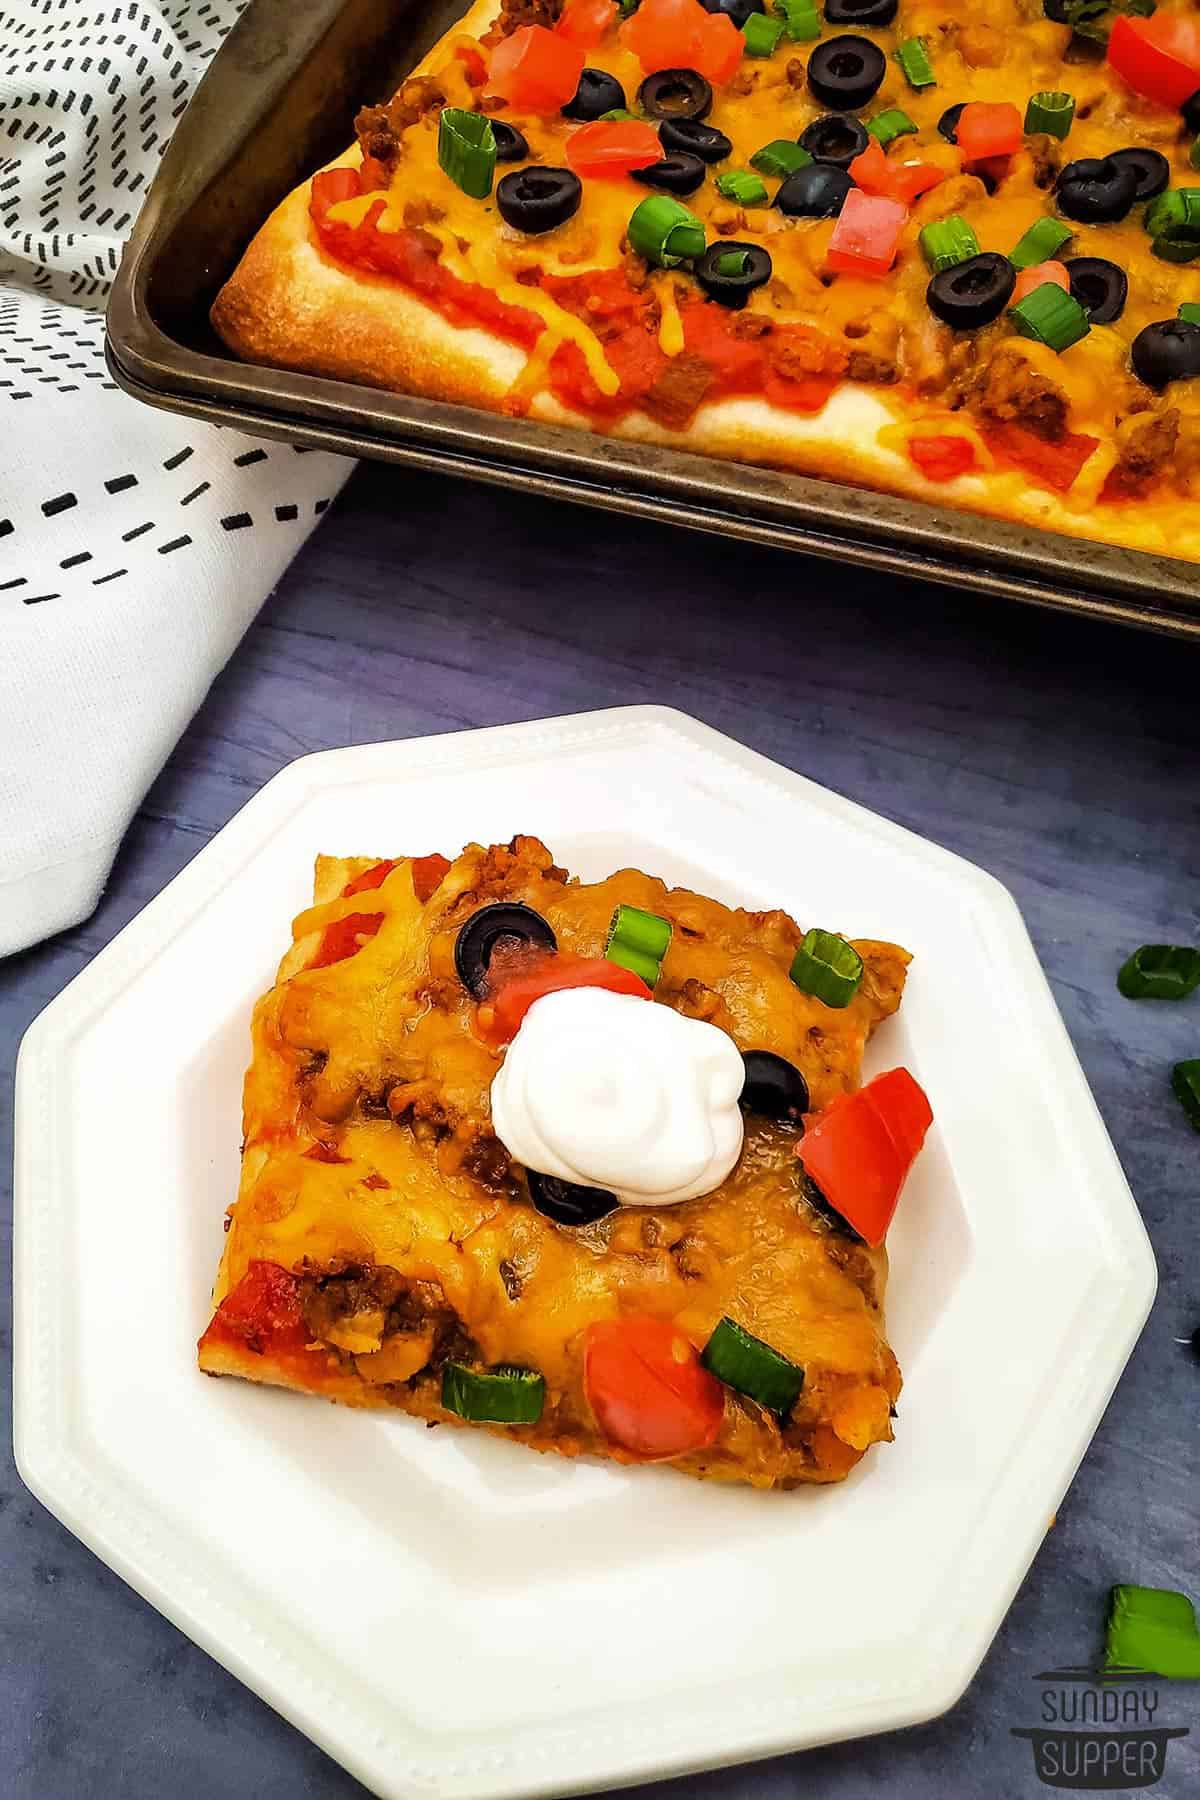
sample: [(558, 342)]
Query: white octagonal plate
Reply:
[(522, 1625)]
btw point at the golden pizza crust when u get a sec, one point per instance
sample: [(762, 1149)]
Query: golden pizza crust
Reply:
[(290, 306)]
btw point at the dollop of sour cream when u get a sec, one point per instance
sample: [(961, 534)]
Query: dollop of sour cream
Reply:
[(610, 1091)]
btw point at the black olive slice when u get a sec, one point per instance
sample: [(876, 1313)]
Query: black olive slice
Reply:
[(835, 138), (1191, 112), (738, 10), (974, 292), (598, 92), (695, 139), (566, 1202), (817, 191), (1100, 286), (948, 123), (774, 1087), (729, 285), (844, 73), (825, 1210), (1151, 170), (1168, 350), (874, 14), (675, 94), (1096, 189), (675, 174), (485, 929), (537, 198), (511, 144)]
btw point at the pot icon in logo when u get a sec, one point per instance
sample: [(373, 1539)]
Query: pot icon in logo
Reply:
[(1131, 1755)]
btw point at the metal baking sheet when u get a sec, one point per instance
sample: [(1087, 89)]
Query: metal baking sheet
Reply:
[(278, 100)]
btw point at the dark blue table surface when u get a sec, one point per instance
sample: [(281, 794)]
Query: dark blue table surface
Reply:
[(1061, 755)]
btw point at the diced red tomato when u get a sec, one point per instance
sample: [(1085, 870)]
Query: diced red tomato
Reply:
[(943, 457), (332, 186), (876, 174), (1039, 276), (988, 128), (374, 877), (860, 1150), (1158, 57), (344, 938), (867, 234), (427, 875), (649, 1392), (476, 67), (262, 1312), (680, 34), (324, 1153), (586, 22), (612, 147), (1053, 465), (535, 69), (520, 979), (373, 174)]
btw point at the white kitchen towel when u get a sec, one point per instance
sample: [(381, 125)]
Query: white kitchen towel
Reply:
[(135, 547)]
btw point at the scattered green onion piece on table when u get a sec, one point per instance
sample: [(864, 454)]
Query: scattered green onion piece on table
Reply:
[(1052, 110), (888, 126), (828, 967), (741, 185), (501, 1396), (638, 940), (732, 262), (802, 21), (467, 150), (1185, 1080), (762, 34), (780, 158), (618, 113), (1154, 1629), (665, 232), (1190, 310), (1160, 972), (1050, 316), (1044, 239), (948, 242), (914, 60), (744, 1362)]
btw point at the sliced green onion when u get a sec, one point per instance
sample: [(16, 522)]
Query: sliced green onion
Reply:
[(467, 150), (1190, 310), (827, 967), (1051, 316), (740, 184), (1044, 239), (638, 940), (802, 21), (762, 34), (618, 112), (1052, 110), (665, 232), (1185, 1080), (1173, 221), (779, 158), (948, 242), (732, 262), (1153, 1629), (914, 60), (752, 1367), (1160, 972), (501, 1396), (889, 125)]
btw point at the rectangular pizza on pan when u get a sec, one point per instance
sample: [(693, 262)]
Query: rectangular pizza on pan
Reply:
[(947, 248), (387, 1249)]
